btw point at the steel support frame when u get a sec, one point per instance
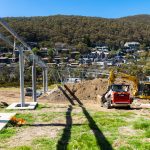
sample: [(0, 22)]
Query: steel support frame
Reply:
[(34, 81), (36, 59), (21, 68), (45, 80)]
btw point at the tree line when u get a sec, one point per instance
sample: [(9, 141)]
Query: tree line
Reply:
[(82, 31)]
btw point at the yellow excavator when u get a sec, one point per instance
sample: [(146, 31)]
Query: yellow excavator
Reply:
[(144, 92), (140, 90)]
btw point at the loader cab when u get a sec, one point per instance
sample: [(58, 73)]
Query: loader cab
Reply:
[(120, 88), (120, 95), (117, 95)]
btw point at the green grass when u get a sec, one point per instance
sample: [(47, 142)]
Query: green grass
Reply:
[(53, 86), (143, 132), (28, 117), (42, 106), (82, 133), (109, 122), (44, 144), (49, 116), (22, 148), (1, 109), (84, 141), (142, 124), (147, 133), (138, 144), (125, 148), (7, 133)]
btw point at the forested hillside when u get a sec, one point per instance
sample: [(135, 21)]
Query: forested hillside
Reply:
[(84, 30)]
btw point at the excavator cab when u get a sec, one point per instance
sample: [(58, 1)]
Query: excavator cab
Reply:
[(145, 92)]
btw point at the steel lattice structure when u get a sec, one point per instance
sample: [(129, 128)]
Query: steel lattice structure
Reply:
[(30, 56)]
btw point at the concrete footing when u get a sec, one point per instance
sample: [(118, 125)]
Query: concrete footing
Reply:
[(28, 106), (4, 119)]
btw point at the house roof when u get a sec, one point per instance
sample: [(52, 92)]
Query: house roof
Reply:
[(3, 58)]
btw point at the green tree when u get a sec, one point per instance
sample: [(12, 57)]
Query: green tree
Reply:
[(50, 53), (143, 46), (82, 48), (35, 50)]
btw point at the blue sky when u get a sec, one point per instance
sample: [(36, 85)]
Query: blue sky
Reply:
[(99, 8)]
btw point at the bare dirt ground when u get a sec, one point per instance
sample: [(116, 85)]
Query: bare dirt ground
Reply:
[(85, 91), (25, 136), (10, 95), (55, 104)]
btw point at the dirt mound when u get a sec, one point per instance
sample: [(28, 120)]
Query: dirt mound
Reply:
[(55, 96), (86, 90)]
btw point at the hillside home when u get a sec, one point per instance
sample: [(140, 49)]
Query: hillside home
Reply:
[(57, 60), (43, 52), (4, 60), (132, 45), (46, 60), (74, 54), (102, 48), (59, 46)]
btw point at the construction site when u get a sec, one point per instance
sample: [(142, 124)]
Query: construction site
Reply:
[(102, 113)]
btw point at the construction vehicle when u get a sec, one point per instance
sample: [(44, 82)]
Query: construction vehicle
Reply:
[(139, 90), (119, 94), (144, 90), (114, 97)]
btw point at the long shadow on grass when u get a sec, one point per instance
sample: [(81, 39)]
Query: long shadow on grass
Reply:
[(51, 124), (63, 142), (73, 95), (67, 96), (102, 142), (100, 138)]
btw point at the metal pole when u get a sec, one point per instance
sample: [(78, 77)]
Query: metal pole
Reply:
[(59, 77), (21, 68), (34, 81), (44, 86), (46, 78)]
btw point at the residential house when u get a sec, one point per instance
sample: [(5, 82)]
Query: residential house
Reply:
[(57, 60), (131, 46), (4, 60), (59, 46), (46, 60), (43, 52), (74, 54), (102, 48)]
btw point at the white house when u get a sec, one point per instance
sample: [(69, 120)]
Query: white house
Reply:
[(132, 44), (102, 48)]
